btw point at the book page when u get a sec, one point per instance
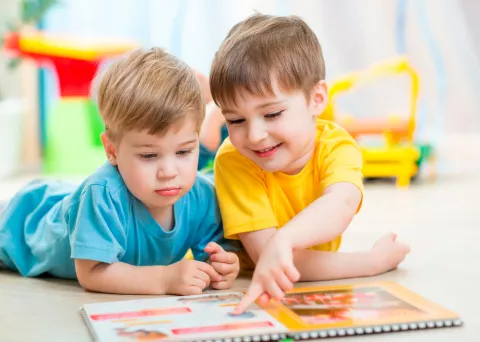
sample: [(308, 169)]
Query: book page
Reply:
[(355, 306), (183, 318)]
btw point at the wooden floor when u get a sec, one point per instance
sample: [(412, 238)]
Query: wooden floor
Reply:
[(441, 221)]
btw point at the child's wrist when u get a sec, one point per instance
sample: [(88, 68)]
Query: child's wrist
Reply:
[(284, 238), (374, 263), (163, 278)]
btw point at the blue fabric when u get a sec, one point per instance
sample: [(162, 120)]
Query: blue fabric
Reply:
[(48, 224)]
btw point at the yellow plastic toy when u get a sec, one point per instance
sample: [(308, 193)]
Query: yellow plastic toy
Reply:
[(399, 155)]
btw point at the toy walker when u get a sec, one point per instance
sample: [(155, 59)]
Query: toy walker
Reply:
[(398, 156)]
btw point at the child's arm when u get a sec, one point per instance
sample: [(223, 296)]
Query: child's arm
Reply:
[(317, 265), (186, 277), (281, 256), (98, 238), (385, 255), (324, 219)]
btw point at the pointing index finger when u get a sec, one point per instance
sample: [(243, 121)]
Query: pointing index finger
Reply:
[(252, 294)]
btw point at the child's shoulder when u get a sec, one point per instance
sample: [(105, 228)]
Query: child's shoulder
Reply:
[(329, 131), (104, 188), (104, 185), (106, 176), (328, 128)]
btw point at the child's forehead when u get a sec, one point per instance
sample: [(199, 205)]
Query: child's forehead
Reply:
[(243, 98), (183, 131)]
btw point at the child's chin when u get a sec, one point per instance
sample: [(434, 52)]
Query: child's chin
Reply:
[(164, 201)]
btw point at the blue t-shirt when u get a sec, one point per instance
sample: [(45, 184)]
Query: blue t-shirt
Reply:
[(48, 224)]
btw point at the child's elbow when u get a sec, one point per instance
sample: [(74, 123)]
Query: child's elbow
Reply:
[(85, 274), (351, 198), (85, 283)]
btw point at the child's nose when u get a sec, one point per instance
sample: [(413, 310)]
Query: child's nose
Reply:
[(256, 133), (167, 170)]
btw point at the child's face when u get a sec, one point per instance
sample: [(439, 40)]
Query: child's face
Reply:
[(276, 132), (158, 170)]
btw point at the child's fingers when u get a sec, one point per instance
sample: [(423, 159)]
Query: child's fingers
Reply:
[(198, 282), (283, 282), (225, 257), (203, 276), (292, 273), (208, 269), (274, 290), (193, 290), (263, 300), (223, 268), (254, 291), (213, 247), (220, 285)]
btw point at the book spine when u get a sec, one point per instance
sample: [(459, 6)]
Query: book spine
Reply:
[(89, 326), (338, 332), (377, 329)]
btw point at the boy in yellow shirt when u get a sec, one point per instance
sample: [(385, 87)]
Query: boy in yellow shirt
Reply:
[(288, 183)]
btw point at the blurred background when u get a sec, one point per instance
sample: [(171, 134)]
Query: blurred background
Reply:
[(375, 51)]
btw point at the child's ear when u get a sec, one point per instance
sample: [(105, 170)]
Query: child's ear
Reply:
[(109, 148), (319, 98)]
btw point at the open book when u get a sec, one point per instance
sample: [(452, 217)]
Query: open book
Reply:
[(304, 313)]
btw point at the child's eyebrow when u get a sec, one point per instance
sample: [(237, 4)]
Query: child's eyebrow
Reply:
[(263, 105), (268, 104), (226, 110), (144, 145), (155, 145), (188, 142)]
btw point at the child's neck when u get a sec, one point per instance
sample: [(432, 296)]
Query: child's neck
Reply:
[(164, 216), (298, 165)]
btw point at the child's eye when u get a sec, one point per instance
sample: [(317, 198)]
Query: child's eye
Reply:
[(235, 122), (273, 115), (148, 156), (184, 152)]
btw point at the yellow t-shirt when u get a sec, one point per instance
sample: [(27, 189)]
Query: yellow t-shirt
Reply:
[(252, 199)]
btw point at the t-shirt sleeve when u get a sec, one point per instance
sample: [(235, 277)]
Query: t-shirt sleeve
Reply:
[(242, 195), (97, 226), (340, 160)]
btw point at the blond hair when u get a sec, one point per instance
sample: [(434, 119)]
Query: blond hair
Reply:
[(148, 90), (263, 48)]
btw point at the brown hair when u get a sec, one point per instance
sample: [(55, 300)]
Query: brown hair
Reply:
[(148, 90), (262, 48)]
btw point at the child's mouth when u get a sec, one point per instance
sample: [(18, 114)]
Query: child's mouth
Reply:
[(171, 191), (267, 152)]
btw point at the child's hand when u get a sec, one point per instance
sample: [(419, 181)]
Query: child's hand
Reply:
[(225, 263), (388, 252), (274, 273), (189, 277)]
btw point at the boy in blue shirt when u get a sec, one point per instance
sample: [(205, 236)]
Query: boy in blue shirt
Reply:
[(127, 227)]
